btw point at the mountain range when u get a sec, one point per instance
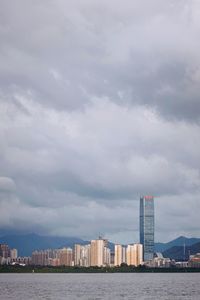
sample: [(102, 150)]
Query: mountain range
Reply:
[(180, 241), (181, 253), (177, 249)]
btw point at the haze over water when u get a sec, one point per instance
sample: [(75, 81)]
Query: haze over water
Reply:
[(99, 286)]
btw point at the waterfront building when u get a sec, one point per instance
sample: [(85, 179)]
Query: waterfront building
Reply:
[(82, 255), (85, 260), (97, 253), (66, 257), (138, 254), (4, 251), (77, 254), (134, 255), (54, 262), (124, 255), (46, 257), (180, 264), (129, 255), (112, 258), (118, 255), (25, 260), (194, 261), (13, 254), (7, 255), (147, 226), (106, 256), (40, 258), (159, 262)]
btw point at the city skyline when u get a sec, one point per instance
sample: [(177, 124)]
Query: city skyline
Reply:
[(99, 253), (99, 105)]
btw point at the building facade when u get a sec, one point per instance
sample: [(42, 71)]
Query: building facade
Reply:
[(82, 255), (13, 254), (77, 254), (134, 255), (4, 251), (118, 255), (66, 257), (97, 253), (106, 256), (194, 261), (147, 226)]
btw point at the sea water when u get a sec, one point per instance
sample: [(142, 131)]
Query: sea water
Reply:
[(100, 286)]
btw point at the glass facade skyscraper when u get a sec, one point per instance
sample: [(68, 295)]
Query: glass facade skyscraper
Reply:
[(147, 226)]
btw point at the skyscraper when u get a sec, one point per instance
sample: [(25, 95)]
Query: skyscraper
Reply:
[(147, 226)]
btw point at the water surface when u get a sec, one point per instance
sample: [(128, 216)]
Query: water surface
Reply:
[(100, 286)]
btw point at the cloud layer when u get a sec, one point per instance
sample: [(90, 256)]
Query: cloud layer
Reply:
[(99, 104)]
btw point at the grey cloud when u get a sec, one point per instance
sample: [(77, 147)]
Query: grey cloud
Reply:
[(145, 53), (72, 151), (170, 213), (7, 184), (69, 166)]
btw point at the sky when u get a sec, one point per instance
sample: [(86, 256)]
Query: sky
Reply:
[(99, 105)]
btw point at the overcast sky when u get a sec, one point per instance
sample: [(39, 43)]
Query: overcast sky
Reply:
[(99, 104)]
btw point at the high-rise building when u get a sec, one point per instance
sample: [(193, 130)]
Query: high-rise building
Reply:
[(4, 251), (40, 258), (13, 254), (118, 255), (97, 253), (124, 255), (112, 258), (77, 254), (106, 256), (138, 254), (134, 255), (147, 226), (46, 257), (66, 256), (85, 256), (82, 255)]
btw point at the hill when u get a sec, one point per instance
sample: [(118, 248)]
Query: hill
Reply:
[(181, 253), (180, 241)]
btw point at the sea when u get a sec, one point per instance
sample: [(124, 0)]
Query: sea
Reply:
[(100, 286)]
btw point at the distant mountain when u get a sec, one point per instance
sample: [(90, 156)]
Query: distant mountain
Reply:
[(181, 253), (26, 244), (180, 241)]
